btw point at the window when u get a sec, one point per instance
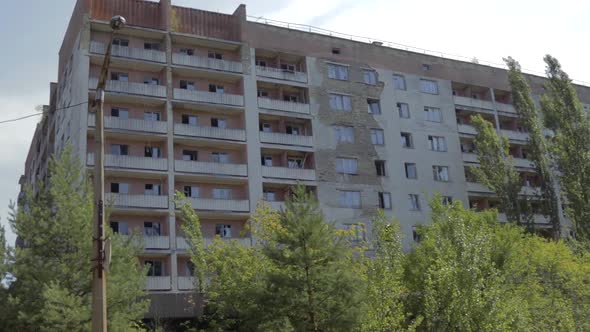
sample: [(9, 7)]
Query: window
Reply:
[(152, 152), (261, 63), (416, 234), (223, 231), (191, 191), (120, 149), (151, 46), (414, 201), (124, 77), (222, 193), (399, 82), (121, 42), (262, 93), (428, 86), (377, 137), (151, 116), (218, 123), (340, 102), (356, 232), (190, 268), (287, 67), (120, 188), (156, 269), (189, 155), (220, 157), (346, 165), (151, 228), (385, 200), (291, 98), (437, 143), (121, 113), (292, 130), (370, 77), (373, 106), (266, 127), (446, 200), (151, 81), (350, 199), (380, 167), (335, 50), (192, 120), (215, 55), (344, 134), (120, 227), (267, 161), (187, 85), (440, 173), (406, 139), (432, 114), (411, 171), (404, 110), (294, 162), (337, 72), (269, 195), (187, 51), (216, 88), (425, 67), (152, 189)]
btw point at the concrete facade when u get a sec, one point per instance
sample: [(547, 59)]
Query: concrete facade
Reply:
[(225, 130)]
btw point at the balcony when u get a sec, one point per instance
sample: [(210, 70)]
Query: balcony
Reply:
[(229, 205), (537, 218), (276, 205), (288, 173), (515, 135), (478, 187), (210, 168), (137, 125), (280, 105), (181, 243), (158, 283), (129, 52), (470, 157), (131, 162), (131, 88), (474, 103), (186, 283), (281, 74), (521, 162), (210, 132), (506, 108), (286, 139), (137, 201), (208, 63), (466, 129), (209, 97), (156, 242)]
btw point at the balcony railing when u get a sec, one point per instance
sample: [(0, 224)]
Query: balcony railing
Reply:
[(131, 162), (474, 103), (131, 88), (286, 139), (478, 187), (281, 105), (128, 52), (537, 218), (220, 204), (506, 108), (276, 205), (210, 168), (181, 243), (470, 157), (209, 97), (202, 62), (158, 283), (466, 129), (139, 125), (515, 135), (209, 132), (186, 283), (521, 162), (137, 201), (156, 242), (281, 74), (288, 173)]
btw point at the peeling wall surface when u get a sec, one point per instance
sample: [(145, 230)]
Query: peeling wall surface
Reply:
[(262, 67)]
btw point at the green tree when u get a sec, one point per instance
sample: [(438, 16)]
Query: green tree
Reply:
[(52, 291), (537, 147), (564, 114), (496, 170)]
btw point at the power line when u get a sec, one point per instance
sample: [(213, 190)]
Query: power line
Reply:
[(35, 114)]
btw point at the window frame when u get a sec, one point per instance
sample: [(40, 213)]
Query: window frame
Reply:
[(424, 87)]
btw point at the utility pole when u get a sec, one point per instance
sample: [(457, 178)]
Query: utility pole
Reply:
[(99, 274)]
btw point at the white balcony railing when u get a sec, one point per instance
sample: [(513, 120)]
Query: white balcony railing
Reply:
[(186, 283), (470, 157), (137, 201), (202, 62), (515, 135), (131, 162), (220, 204), (209, 97), (276, 205), (286, 139), (288, 173), (506, 108), (210, 132), (466, 129), (478, 187), (181, 243), (281, 105), (474, 103), (521, 162), (156, 242), (139, 125), (537, 218), (128, 52), (281, 74), (158, 283), (131, 88), (210, 168)]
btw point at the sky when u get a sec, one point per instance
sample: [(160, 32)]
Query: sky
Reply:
[(32, 31)]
